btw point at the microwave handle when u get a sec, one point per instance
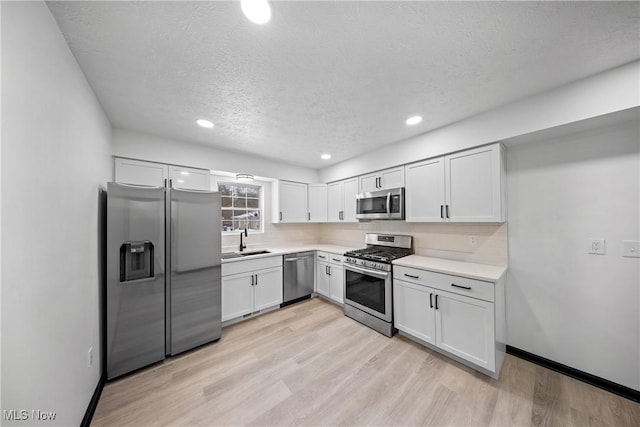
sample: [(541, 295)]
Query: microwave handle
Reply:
[(389, 203)]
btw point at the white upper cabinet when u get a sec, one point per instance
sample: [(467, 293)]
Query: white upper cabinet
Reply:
[(317, 203), (289, 202), (335, 201), (190, 178), (475, 185), (350, 192), (382, 180), (460, 187), (341, 200), (137, 172), (425, 190)]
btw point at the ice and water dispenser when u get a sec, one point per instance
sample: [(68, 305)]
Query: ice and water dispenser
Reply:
[(136, 260)]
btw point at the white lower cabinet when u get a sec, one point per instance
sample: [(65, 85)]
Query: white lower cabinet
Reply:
[(247, 288), (412, 312), (330, 276), (465, 327), (452, 322)]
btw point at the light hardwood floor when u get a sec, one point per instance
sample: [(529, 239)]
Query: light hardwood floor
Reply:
[(307, 364)]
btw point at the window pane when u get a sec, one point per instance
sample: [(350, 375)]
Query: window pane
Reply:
[(224, 189), (227, 214), (254, 225), (239, 214), (226, 202), (253, 192), (254, 214), (227, 225), (240, 202), (253, 203)]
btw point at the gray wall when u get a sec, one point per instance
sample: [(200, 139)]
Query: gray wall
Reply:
[(563, 304), (55, 155)]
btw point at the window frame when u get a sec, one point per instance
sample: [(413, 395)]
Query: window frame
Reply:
[(260, 208)]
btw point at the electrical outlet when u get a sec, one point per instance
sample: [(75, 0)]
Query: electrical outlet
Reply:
[(90, 356), (631, 248), (596, 246), (472, 240)]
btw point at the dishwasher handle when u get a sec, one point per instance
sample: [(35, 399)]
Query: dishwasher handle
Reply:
[(296, 258)]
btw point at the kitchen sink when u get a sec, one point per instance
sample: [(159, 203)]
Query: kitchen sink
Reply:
[(228, 255), (254, 253)]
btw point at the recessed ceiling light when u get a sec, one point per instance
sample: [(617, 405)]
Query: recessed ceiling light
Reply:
[(257, 11), (325, 156), (414, 120), (204, 123)]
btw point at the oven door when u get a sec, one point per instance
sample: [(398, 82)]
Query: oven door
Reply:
[(368, 290)]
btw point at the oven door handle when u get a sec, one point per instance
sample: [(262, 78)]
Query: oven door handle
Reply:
[(380, 274)]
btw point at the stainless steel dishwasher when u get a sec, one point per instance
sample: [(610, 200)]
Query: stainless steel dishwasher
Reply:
[(298, 277)]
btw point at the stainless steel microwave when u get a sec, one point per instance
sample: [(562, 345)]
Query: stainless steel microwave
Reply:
[(386, 204)]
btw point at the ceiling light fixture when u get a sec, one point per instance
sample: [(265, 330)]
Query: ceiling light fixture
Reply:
[(325, 156), (204, 123), (257, 11), (414, 120), (244, 177)]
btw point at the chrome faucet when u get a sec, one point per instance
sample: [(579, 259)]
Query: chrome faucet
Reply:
[(242, 245)]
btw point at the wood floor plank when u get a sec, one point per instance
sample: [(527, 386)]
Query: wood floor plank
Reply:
[(308, 364)]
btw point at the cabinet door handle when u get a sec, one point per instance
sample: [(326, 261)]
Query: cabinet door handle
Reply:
[(340, 217), (326, 270), (442, 211), (252, 281), (308, 216), (329, 269), (431, 300), (280, 216), (170, 183), (321, 256), (461, 287), (165, 182), (446, 208), (413, 277), (336, 260), (436, 301), (256, 280)]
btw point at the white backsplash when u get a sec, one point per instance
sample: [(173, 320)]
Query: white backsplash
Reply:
[(449, 240)]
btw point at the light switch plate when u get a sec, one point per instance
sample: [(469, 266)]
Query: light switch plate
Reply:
[(596, 246), (631, 248)]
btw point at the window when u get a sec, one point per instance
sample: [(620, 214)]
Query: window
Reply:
[(241, 206)]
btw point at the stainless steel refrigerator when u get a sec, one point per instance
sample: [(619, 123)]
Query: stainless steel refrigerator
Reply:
[(163, 274)]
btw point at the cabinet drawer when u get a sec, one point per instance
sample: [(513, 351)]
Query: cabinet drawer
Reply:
[(335, 258), (322, 256), (455, 284), (253, 265)]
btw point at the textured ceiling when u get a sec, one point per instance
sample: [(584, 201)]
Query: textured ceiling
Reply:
[(337, 77)]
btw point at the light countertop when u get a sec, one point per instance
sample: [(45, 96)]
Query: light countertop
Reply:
[(490, 273), (282, 250)]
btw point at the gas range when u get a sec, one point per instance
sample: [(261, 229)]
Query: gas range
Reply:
[(380, 251), (368, 280)]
